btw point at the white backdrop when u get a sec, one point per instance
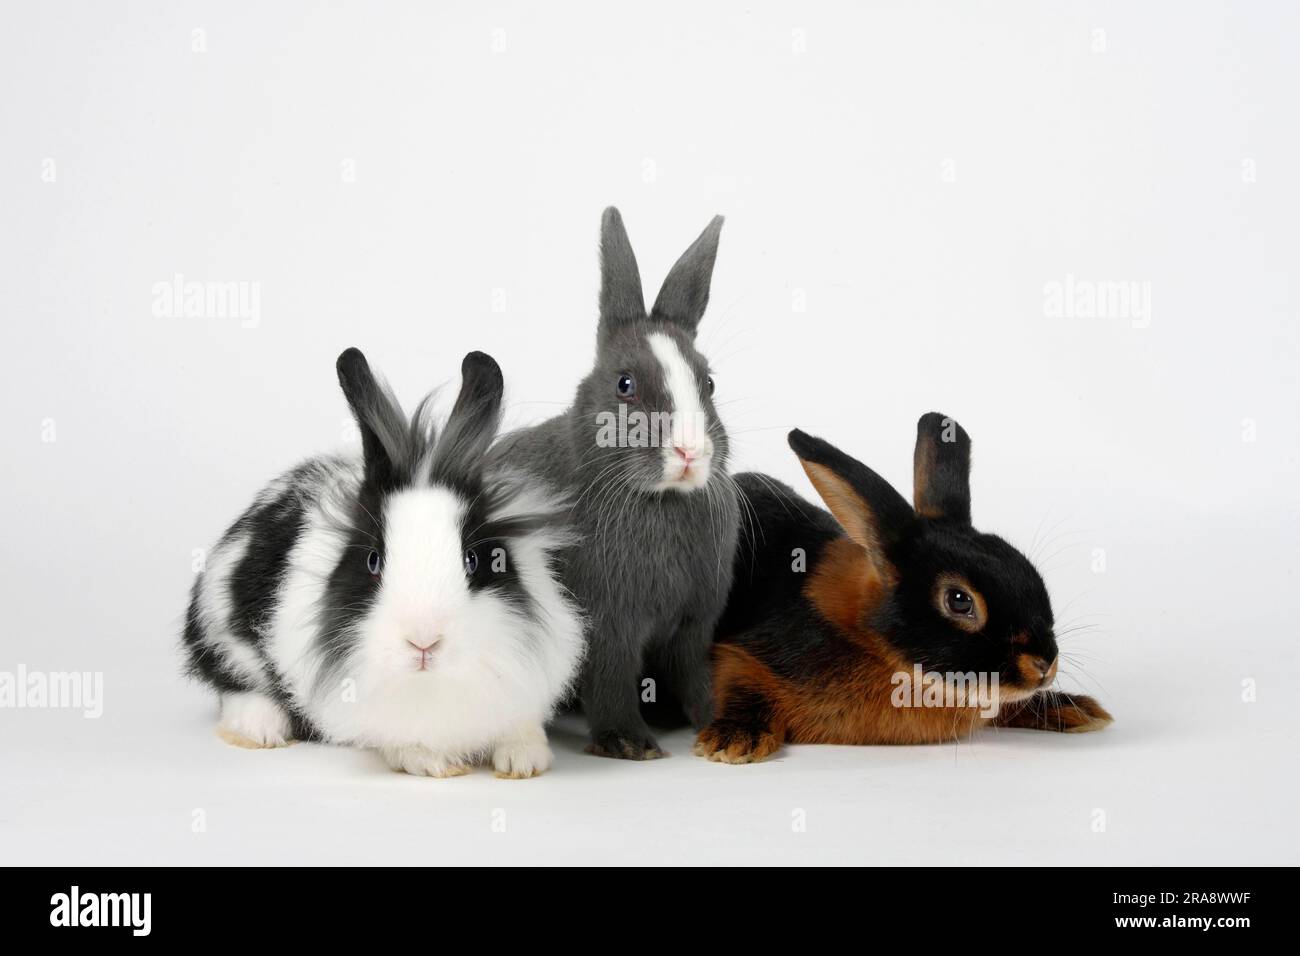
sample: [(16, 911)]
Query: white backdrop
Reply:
[(908, 188)]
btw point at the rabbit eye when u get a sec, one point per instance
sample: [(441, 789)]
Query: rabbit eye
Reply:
[(959, 603), (373, 563), (471, 562), (710, 384), (626, 386)]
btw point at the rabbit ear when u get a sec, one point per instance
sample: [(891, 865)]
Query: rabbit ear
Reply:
[(473, 421), (867, 507), (685, 292), (620, 279), (381, 421), (941, 469)]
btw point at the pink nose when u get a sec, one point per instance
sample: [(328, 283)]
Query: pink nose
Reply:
[(687, 455), (423, 647)]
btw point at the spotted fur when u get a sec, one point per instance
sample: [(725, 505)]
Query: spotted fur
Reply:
[(437, 660)]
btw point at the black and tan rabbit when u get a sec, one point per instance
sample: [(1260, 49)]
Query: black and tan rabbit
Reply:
[(905, 625)]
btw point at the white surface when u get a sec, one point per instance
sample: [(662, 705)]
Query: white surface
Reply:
[(478, 171)]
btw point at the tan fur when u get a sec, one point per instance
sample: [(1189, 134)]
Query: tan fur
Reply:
[(856, 708), (711, 745), (856, 705), (453, 770), (844, 585), (239, 740), (846, 505), (922, 468), (756, 710), (922, 461), (1052, 710), (1030, 674)]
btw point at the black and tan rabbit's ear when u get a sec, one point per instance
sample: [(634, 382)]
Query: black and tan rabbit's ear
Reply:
[(867, 507), (474, 419), (941, 469), (620, 280), (379, 417), (685, 293)]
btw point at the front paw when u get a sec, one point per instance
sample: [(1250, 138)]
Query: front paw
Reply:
[(1078, 715), (1053, 710), (634, 746), (421, 761), (521, 759), (730, 743), (253, 721)]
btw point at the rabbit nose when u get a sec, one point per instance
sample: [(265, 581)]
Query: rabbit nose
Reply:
[(1036, 670), (429, 642), (1045, 669), (687, 455)]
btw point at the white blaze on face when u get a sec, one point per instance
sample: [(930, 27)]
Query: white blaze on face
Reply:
[(688, 450), (424, 571)]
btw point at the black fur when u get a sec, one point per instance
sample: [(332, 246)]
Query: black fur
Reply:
[(198, 663), (778, 522), (1016, 596), (397, 452), (767, 611), (272, 527)]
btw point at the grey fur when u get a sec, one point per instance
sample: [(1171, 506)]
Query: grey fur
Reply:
[(685, 292), (620, 279), (654, 567)]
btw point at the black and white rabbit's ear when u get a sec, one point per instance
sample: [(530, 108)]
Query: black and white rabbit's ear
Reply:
[(379, 417), (941, 469), (474, 419), (620, 279), (867, 507), (685, 293)]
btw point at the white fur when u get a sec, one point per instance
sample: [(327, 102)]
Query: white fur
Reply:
[(522, 754), (295, 624), (253, 720), (214, 607), (492, 676), (690, 423), (421, 761), (484, 678)]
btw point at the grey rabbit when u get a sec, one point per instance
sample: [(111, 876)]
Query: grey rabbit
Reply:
[(643, 457)]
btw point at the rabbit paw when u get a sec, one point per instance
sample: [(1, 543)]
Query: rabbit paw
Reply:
[(728, 743), (522, 756), (1052, 710), (1078, 716), (253, 721), (635, 746), (420, 761)]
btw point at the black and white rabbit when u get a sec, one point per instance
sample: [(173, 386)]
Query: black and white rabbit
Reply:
[(643, 457), (402, 599)]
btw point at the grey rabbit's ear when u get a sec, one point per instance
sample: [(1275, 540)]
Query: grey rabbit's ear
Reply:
[(380, 419), (685, 293), (620, 279), (941, 469), (473, 422)]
